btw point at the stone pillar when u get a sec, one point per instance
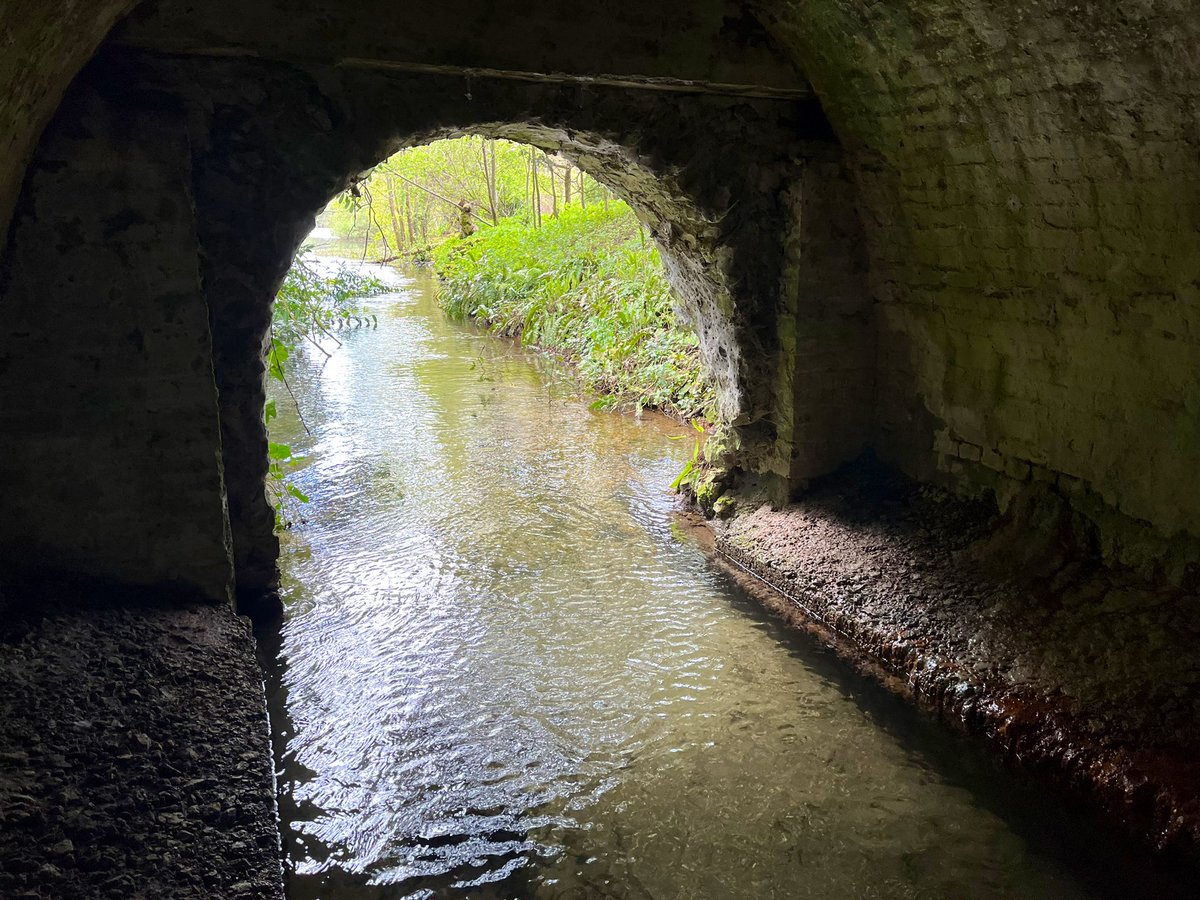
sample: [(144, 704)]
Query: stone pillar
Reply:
[(110, 448), (787, 327), (825, 390)]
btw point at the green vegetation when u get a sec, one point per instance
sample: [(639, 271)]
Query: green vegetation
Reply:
[(411, 202), (588, 287), (310, 306), (537, 250), (525, 243)]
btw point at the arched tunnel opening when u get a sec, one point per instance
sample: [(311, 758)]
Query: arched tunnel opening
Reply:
[(688, 237), (468, 521), (261, 166), (931, 255)]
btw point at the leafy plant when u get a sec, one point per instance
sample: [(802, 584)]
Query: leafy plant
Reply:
[(694, 467), (282, 492), (310, 306), (585, 287)]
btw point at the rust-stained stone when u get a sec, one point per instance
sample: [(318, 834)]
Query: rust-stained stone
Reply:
[(1009, 628)]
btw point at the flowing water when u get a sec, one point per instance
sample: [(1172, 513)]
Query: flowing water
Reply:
[(508, 670)]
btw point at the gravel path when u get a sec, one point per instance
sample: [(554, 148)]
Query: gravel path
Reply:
[(1078, 673), (134, 757)]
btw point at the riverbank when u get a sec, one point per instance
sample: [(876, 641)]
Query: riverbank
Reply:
[(589, 289), (1082, 676), (134, 758)]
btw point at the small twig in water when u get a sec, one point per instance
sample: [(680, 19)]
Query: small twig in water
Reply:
[(308, 337)]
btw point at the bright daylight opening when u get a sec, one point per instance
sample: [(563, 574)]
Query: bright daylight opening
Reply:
[(519, 241)]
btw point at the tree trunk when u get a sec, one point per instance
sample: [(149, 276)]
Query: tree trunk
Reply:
[(489, 177), (582, 191), (493, 190), (397, 226), (537, 190), (528, 195), (408, 216), (567, 186)]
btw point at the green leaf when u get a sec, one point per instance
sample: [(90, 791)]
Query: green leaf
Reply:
[(276, 357), (686, 476)]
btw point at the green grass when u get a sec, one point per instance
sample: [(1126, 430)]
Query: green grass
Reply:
[(589, 288)]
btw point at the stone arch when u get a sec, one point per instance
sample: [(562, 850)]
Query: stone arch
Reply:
[(726, 266), (1026, 181), (244, 152)]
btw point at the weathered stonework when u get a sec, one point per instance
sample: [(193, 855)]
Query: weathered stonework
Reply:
[(1029, 191), (43, 44), (110, 453), (1024, 178)]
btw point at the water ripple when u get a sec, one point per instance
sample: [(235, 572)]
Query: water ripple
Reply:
[(505, 675)]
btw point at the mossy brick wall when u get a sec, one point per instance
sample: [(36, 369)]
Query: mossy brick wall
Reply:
[(828, 322), (109, 446), (1029, 177)]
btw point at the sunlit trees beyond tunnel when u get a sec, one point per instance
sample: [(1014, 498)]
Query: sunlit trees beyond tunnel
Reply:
[(535, 248)]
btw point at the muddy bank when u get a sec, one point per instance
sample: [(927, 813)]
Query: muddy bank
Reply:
[(1080, 675), (134, 755)]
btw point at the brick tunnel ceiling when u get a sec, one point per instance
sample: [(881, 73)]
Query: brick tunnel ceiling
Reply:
[(964, 237)]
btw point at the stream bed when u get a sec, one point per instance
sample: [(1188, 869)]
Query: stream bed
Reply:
[(507, 668)]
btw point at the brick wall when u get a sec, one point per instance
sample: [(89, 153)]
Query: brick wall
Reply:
[(833, 395), (1031, 197)]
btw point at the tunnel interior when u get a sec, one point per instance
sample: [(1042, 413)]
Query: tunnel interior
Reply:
[(955, 238), (260, 146), (880, 246)]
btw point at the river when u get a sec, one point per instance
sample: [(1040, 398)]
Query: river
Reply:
[(508, 669)]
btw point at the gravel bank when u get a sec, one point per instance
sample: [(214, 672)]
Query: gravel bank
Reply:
[(134, 756), (1080, 674)]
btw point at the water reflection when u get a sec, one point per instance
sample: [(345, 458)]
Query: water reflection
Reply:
[(506, 671)]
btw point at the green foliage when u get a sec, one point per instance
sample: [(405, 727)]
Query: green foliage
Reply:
[(556, 261), (588, 287), (281, 461), (691, 472), (310, 305)]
